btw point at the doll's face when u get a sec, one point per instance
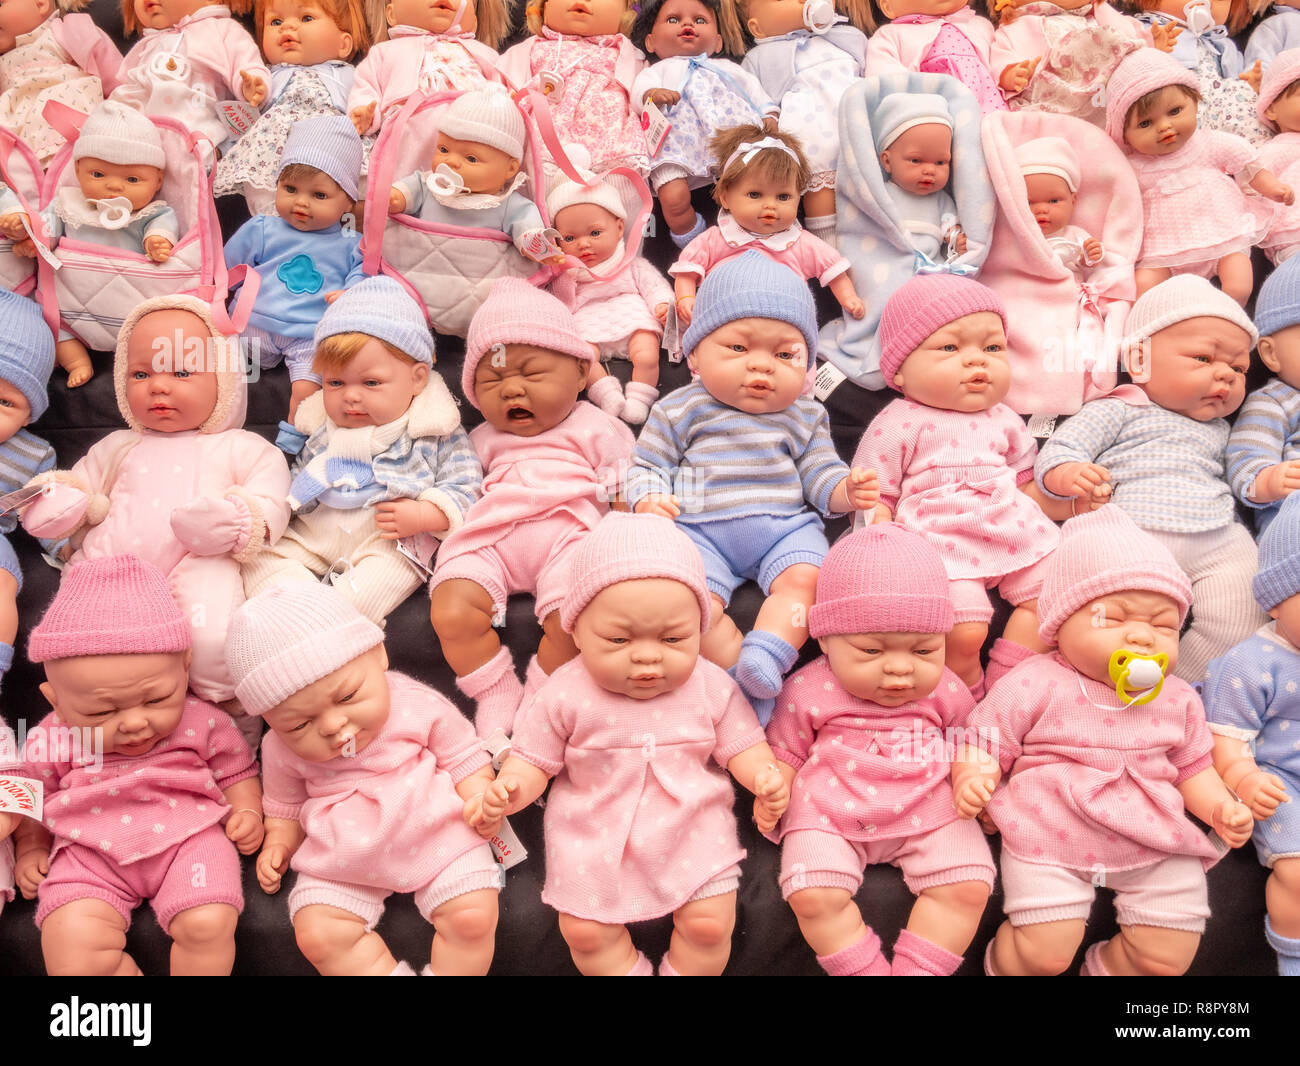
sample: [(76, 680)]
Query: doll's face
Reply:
[(1197, 368), (684, 28), (1280, 352), (21, 16), (886, 668), (162, 393), (640, 638), (311, 203), (761, 205), (302, 32), (756, 365), (584, 18), (100, 180), (436, 16), (1050, 202), (136, 700), (374, 388), (15, 411), (339, 715), (772, 18), (1164, 128), (919, 159), (961, 366), (482, 167), (1135, 621), (589, 232), (526, 390), (1220, 9), (894, 9), (160, 14), (1284, 111), (1287, 614)]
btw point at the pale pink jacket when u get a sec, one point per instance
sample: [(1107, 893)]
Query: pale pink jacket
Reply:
[(897, 49), (1024, 37), (89, 48), (610, 309)]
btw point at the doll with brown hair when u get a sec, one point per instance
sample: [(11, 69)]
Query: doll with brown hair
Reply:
[(48, 53), (805, 56), (197, 58), (760, 176), (421, 47), (310, 45)]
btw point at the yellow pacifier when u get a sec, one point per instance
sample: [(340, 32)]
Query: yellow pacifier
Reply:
[(1138, 678)]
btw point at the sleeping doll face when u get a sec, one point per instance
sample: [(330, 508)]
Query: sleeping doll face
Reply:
[(962, 366), (919, 160), (526, 390), (886, 668), (339, 715), (1137, 621), (640, 638)]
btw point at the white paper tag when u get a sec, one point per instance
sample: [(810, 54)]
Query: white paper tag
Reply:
[(419, 551), (828, 379), (21, 795), (1042, 426), (41, 250), (506, 847), (672, 338), (21, 497), (238, 116), (655, 127)]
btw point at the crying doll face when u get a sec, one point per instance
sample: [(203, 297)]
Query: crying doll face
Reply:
[(525, 390)]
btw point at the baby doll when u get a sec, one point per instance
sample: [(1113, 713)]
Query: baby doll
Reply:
[(1104, 753), (952, 457), (310, 45), (1051, 172), (737, 456), (474, 178), (367, 772), (195, 59), (119, 162), (1278, 33), (1250, 706), (138, 813), (758, 192), (914, 141), (859, 737), (1157, 452), (631, 725), (304, 253), (183, 487), (1198, 218), (550, 464), (48, 53), (386, 458), (1206, 49), (805, 56), (425, 48), (699, 94), (621, 313), (581, 58), (1279, 106)]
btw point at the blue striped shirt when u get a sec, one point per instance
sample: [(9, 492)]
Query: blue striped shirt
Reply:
[(22, 457), (1264, 435)]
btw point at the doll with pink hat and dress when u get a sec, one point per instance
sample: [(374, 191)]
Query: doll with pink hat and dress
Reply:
[(1279, 108)]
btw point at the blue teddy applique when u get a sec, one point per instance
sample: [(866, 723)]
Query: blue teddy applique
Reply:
[(300, 275)]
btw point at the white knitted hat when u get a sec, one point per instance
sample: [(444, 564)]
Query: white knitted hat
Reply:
[(121, 135), (1176, 300), (568, 193), (487, 116), (1049, 155)]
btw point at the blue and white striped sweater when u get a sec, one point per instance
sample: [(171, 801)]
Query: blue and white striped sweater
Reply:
[(1264, 435)]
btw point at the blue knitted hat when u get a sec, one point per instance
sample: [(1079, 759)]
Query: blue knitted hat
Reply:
[(1278, 577), (26, 350), (1278, 305), (751, 285), (381, 308), (330, 144)]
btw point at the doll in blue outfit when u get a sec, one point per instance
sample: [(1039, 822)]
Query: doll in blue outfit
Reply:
[(308, 251), (1252, 704), (1277, 33), (737, 456)]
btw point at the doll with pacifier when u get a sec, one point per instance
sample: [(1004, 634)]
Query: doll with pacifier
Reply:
[(620, 307), (757, 190), (1279, 108), (1105, 754), (1052, 177), (366, 775), (639, 822), (156, 805)]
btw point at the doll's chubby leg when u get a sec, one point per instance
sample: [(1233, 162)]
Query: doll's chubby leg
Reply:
[(338, 943), (962, 650), (1149, 951), (721, 644), (819, 203), (598, 950), (949, 915), (1161, 910), (1047, 908), (1042, 950), (785, 611), (86, 937), (465, 935), (556, 646), (1022, 627), (1282, 897), (675, 202), (1150, 277), (203, 941), (1236, 276), (828, 918), (701, 942), (461, 611)]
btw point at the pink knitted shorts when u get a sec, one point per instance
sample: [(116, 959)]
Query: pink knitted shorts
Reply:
[(970, 603), (475, 870), (532, 557), (811, 858), (202, 869), (1170, 894)]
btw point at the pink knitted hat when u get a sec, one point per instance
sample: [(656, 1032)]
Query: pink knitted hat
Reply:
[(1139, 73), (289, 637), (1282, 70), (625, 547), (114, 605), (518, 313), (882, 579), (1101, 553), (924, 304)]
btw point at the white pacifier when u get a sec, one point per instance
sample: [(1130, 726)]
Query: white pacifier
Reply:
[(551, 83), (170, 66), (114, 211), (1198, 16), (820, 15), (444, 181)]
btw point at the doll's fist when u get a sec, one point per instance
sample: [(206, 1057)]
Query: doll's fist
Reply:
[(208, 526), (271, 865), (1016, 76), (685, 307), (855, 307), (245, 830), (56, 513), (404, 518), (1233, 822), (1080, 480), (26, 247), (657, 503), (972, 795), (661, 312), (362, 117), (959, 241), (1262, 793), (485, 811), (862, 488), (12, 225), (30, 869), (253, 87), (158, 248), (771, 798), (396, 201), (661, 97), (1276, 482)]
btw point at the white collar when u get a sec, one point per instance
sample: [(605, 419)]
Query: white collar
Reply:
[(736, 236)]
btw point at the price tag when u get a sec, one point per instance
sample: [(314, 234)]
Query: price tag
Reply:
[(21, 795), (827, 380), (655, 127), (1042, 426), (506, 847), (238, 116)]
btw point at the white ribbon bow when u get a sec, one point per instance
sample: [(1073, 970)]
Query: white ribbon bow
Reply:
[(748, 149)]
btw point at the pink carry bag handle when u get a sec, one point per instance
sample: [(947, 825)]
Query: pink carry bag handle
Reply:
[(44, 294)]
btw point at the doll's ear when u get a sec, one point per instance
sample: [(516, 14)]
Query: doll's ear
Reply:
[(420, 376), (1268, 354), (346, 47), (884, 163), (887, 8), (898, 381), (47, 690)]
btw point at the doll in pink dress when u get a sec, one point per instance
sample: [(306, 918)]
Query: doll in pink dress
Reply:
[(148, 790), (955, 463), (620, 307), (1279, 107), (194, 58), (551, 467), (449, 45), (1104, 754), (367, 772), (638, 823), (860, 737), (49, 53), (1199, 217)]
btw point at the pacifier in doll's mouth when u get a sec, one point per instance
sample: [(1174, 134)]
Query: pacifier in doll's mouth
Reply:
[(1198, 15), (444, 181), (170, 66), (114, 211), (1138, 678), (820, 15)]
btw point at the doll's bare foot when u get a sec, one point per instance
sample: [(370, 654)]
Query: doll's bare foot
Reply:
[(71, 354)]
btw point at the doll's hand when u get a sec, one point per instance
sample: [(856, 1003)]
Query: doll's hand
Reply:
[(56, 513), (1092, 251), (405, 518), (959, 241), (1233, 822), (246, 830), (271, 865), (658, 503), (253, 88), (661, 312), (26, 247), (1016, 76), (158, 248), (771, 798), (30, 869), (685, 305), (972, 795), (396, 201), (1262, 793), (362, 117), (1254, 75), (1284, 194), (331, 296), (13, 225), (485, 816), (1166, 36), (209, 526), (1084, 481), (1276, 482), (855, 307), (862, 488), (661, 98)]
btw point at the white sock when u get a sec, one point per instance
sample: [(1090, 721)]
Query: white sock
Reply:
[(822, 226)]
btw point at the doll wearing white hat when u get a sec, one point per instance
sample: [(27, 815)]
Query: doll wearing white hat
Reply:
[(1051, 172)]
